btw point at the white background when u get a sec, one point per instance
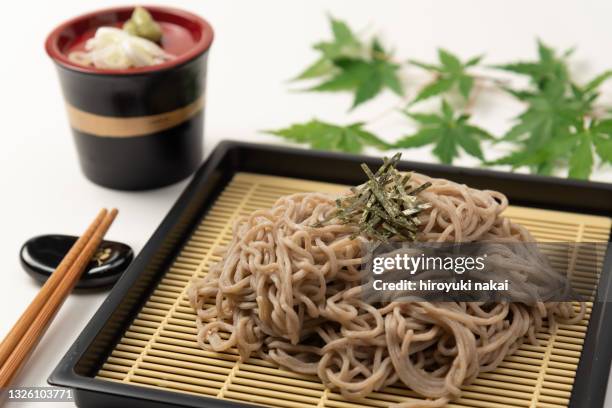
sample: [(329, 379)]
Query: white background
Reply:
[(258, 45)]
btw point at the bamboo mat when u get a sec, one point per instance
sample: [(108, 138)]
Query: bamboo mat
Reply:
[(159, 349)]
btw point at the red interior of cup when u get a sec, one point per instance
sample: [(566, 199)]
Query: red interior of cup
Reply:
[(185, 35)]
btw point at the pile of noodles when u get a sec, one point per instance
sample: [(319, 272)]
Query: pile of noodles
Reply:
[(290, 293)]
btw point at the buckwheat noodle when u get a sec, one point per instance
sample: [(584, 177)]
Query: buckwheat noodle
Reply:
[(290, 293)]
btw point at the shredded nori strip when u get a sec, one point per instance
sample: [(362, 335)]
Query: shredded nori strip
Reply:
[(383, 207)]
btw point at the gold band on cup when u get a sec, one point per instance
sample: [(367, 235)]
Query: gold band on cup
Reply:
[(109, 126)]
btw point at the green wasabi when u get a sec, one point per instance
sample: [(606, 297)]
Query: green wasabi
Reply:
[(143, 25)]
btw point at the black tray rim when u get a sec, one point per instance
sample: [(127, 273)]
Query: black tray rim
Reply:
[(590, 384)]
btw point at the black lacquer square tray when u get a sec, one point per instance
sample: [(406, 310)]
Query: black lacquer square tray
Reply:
[(139, 349)]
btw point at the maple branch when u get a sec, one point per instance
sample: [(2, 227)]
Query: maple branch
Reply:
[(388, 111), (471, 102)]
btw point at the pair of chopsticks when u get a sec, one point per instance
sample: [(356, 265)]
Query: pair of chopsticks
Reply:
[(31, 326)]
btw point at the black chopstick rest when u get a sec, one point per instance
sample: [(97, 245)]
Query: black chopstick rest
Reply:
[(40, 256)]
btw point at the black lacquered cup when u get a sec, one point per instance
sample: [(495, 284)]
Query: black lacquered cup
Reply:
[(137, 128)]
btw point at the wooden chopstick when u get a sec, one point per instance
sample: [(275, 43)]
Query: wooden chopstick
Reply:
[(26, 333), (12, 338)]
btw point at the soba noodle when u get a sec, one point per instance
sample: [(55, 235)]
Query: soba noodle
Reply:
[(290, 293)]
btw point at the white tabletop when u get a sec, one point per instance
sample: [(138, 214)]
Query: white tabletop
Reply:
[(258, 45)]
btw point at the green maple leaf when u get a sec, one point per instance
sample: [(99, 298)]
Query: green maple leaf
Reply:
[(321, 67), (449, 132), (549, 112), (326, 136), (551, 131), (573, 149), (602, 139), (451, 73), (345, 43), (549, 68), (365, 78), (581, 160), (542, 159), (597, 137), (349, 64)]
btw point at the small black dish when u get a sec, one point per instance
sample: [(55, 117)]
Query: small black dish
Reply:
[(41, 255)]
